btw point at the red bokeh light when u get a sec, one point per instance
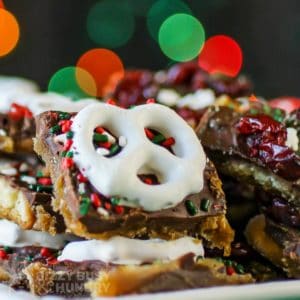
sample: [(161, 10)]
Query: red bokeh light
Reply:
[(221, 54), (105, 66)]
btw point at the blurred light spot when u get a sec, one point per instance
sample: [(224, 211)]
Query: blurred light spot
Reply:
[(161, 10), (73, 82), (110, 23), (181, 37), (105, 66), (2, 4), (221, 54), (9, 32), (141, 7)]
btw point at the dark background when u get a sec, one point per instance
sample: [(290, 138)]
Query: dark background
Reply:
[(53, 35)]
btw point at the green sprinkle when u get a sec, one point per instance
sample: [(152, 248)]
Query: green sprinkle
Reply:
[(39, 174), (55, 129), (7, 249), (64, 153), (228, 263), (278, 115), (114, 149), (199, 257), (190, 207), (205, 204), (69, 154), (44, 188), (253, 111), (239, 269), (159, 138), (64, 116), (132, 106), (29, 258), (70, 135), (32, 187), (84, 206), (98, 137), (115, 200)]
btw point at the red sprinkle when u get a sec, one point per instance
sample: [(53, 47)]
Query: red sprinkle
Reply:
[(150, 101), (67, 163), (45, 252), (111, 102), (96, 200), (149, 133), (52, 260), (17, 112), (3, 254), (168, 142), (65, 125), (230, 270), (45, 181), (99, 130), (81, 178), (107, 205), (148, 181), (68, 145), (105, 145), (119, 209)]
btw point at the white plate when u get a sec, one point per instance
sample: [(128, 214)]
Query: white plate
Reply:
[(281, 290)]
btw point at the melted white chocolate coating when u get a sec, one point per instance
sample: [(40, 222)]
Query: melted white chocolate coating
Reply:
[(121, 250)]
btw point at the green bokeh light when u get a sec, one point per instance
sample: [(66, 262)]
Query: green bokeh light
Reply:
[(161, 10), (110, 23), (181, 37), (73, 82)]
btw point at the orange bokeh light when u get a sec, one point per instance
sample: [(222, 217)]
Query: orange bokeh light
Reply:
[(105, 66), (221, 54), (9, 32)]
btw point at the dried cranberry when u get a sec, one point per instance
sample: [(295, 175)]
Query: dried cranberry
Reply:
[(131, 89), (264, 139), (182, 73)]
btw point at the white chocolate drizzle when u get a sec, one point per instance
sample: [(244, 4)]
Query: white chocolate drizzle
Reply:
[(13, 236), (118, 175), (121, 250), (41, 102)]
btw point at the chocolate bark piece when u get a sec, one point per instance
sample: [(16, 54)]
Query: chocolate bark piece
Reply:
[(278, 175), (36, 269), (25, 198), (201, 215), (184, 273), (30, 269), (17, 130), (278, 243)]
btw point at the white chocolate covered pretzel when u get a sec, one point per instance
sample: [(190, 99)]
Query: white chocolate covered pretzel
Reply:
[(180, 174)]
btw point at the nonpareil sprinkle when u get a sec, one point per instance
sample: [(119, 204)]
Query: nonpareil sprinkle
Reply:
[(55, 129), (98, 137), (159, 138), (190, 207), (205, 203), (84, 206)]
